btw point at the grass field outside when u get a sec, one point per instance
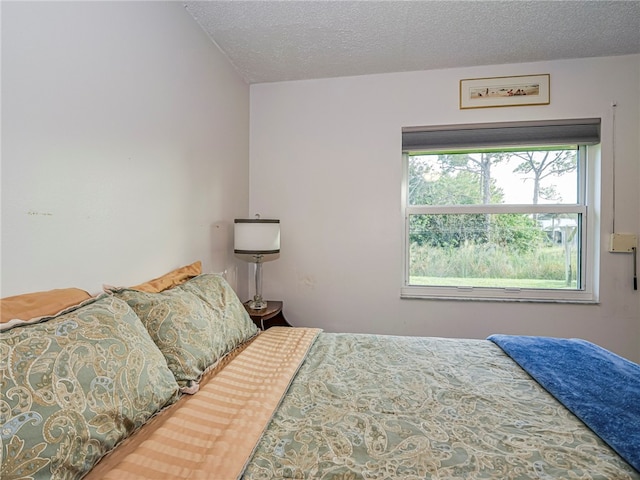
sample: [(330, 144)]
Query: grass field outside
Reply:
[(490, 266)]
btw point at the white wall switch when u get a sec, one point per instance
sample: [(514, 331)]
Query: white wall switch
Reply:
[(622, 242)]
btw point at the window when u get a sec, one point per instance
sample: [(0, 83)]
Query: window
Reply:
[(501, 211)]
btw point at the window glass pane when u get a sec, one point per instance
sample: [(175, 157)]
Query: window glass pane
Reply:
[(535, 176), (495, 250)]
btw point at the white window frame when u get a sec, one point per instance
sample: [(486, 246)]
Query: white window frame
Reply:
[(588, 207)]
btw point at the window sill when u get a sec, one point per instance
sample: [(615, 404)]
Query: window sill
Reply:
[(498, 295)]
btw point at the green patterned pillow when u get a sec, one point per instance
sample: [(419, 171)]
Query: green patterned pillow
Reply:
[(236, 326), (183, 328), (194, 324), (74, 386)]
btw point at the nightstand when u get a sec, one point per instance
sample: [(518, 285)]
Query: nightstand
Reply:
[(267, 317)]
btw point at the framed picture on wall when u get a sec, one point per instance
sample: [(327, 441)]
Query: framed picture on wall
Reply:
[(504, 91)]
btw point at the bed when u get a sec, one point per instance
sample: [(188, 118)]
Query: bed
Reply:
[(305, 404), (367, 406)]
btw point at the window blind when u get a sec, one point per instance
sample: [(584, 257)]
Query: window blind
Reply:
[(585, 131)]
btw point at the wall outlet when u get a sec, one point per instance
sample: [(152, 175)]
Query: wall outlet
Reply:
[(622, 242)]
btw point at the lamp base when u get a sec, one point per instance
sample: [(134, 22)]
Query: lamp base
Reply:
[(257, 303)]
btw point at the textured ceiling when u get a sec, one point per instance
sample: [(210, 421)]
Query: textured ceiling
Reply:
[(269, 41)]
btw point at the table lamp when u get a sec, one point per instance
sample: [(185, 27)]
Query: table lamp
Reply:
[(257, 237)]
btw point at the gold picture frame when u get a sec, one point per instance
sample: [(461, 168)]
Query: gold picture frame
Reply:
[(505, 91)]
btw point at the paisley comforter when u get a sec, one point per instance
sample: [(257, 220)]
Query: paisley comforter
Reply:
[(366, 407), (374, 407)]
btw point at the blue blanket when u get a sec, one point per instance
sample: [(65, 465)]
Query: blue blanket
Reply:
[(599, 387)]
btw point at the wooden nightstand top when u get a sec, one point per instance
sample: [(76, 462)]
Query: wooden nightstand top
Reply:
[(273, 308), (268, 317)]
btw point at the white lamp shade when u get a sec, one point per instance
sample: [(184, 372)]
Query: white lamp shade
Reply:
[(256, 237)]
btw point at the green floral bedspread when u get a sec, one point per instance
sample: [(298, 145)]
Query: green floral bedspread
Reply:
[(385, 407)]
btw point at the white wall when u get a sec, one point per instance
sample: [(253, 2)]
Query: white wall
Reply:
[(125, 145), (325, 159)]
